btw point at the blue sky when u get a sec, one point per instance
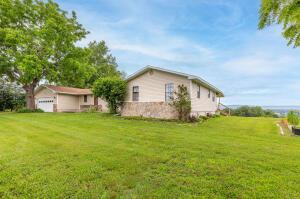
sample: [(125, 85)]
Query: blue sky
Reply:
[(217, 40)]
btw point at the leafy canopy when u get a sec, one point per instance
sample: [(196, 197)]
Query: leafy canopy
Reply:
[(285, 12), (112, 90), (96, 58), (102, 62), (37, 41)]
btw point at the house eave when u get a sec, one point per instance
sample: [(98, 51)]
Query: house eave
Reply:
[(190, 77)]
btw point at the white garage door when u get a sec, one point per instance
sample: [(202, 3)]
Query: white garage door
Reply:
[(46, 104)]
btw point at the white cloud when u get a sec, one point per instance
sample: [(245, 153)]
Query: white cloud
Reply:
[(258, 64)]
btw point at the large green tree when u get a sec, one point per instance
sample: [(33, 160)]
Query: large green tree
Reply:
[(285, 12), (37, 41), (102, 62)]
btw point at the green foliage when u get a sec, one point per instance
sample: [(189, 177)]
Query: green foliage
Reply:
[(255, 111), (285, 12), (293, 118), (27, 110), (102, 62), (182, 103), (112, 90), (37, 41), (91, 109), (76, 70), (11, 95)]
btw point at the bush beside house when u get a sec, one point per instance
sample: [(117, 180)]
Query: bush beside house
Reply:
[(112, 90), (182, 103)]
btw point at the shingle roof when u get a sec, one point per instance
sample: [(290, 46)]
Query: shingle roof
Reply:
[(192, 77), (67, 90)]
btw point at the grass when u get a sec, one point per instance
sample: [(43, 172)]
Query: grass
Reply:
[(100, 156)]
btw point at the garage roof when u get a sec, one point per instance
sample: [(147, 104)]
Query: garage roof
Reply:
[(66, 90)]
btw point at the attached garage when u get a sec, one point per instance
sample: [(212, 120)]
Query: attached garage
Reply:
[(46, 104), (52, 98)]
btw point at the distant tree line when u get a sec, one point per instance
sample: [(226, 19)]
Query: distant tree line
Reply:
[(252, 111)]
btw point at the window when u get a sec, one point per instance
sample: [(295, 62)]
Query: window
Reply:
[(198, 92), (208, 93), (85, 98), (169, 89), (135, 93), (214, 97)]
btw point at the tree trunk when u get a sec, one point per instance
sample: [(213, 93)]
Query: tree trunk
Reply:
[(29, 89)]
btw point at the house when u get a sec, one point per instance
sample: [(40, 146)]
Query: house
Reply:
[(151, 89), (66, 99)]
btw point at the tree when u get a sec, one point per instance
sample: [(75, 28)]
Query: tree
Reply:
[(76, 69), (11, 95), (37, 41), (182, 103), (103, 63), (112, 90), (285, 12), (292, 118)]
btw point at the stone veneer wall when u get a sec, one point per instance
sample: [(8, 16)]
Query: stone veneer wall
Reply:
[(149, 109)]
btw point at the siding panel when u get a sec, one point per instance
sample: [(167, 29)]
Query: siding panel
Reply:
[(203, 105), (152, 85)]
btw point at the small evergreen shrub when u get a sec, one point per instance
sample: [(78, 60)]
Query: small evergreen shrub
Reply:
[(182, 103)]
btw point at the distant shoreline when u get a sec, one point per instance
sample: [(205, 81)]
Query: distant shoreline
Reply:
[(269, 107), (280, 110)]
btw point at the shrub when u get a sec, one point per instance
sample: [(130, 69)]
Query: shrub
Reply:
[(112, 90), (11, 95), (203, 117), (194, 118), (91, 109), (292, 118), (182, 103), (27, 110)]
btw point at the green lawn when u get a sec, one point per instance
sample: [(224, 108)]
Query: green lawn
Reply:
[(97, 156)]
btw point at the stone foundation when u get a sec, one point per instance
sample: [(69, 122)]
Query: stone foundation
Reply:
[(149, 109)]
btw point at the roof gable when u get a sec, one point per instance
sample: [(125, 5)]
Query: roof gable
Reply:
[(65, 90), (191, 77)]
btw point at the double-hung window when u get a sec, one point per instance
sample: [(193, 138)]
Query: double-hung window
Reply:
[(198, 92), (169, 90), (208, 93), (85, 98), (214, 97), (135, 93)]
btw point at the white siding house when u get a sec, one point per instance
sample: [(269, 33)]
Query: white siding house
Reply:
[(149, 91)]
